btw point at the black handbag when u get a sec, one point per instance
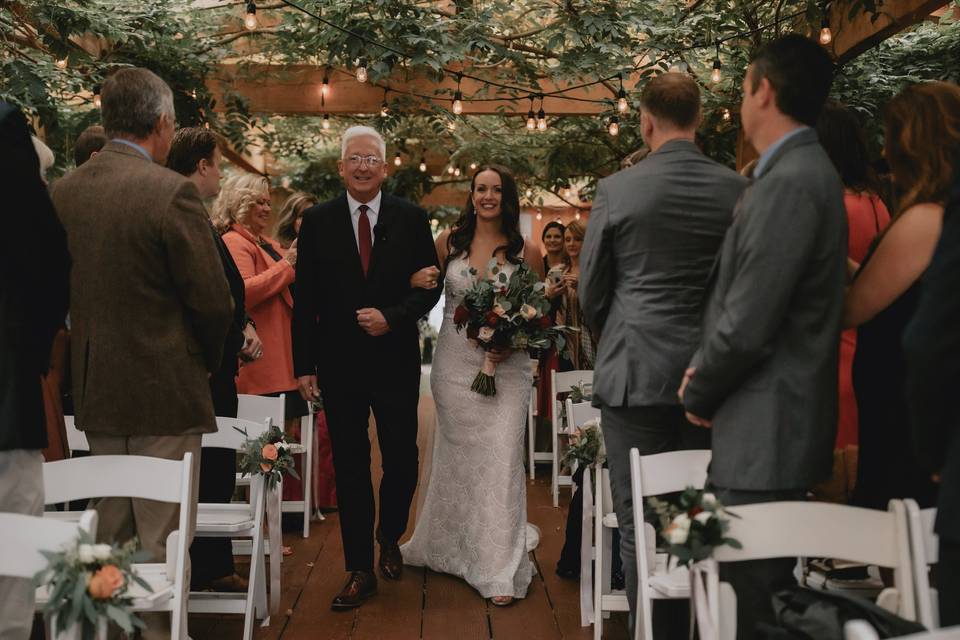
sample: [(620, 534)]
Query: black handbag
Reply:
[(820, 615)]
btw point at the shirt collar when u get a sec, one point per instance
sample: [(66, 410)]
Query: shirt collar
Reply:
[(142, 151), (373, 206), (772, 149)]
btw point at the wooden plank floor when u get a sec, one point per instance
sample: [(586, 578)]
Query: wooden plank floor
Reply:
[(424, 605)]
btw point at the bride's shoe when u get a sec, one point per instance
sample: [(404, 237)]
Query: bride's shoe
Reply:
[(502, 601)]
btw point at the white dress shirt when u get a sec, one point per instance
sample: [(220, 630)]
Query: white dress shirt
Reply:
[(373, 214)]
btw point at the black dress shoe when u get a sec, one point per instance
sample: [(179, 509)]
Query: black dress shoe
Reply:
[(391, 560), (360, 586)]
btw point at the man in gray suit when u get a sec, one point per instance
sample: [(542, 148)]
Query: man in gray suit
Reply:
[(654, 232), (765, 375)]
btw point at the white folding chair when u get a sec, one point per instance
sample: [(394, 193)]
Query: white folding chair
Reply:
[(241, 520), (924, 552), (651, 476), (23, 538), (561, 382), (76, 439), (861, 630), (605, 599), (256, 409), (805, 529), (128, 476)]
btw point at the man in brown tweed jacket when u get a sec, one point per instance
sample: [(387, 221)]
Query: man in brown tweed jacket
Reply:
[(149, 304)]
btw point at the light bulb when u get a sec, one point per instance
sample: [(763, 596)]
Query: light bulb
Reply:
[(450, 170), (325, 87), (622, 105), (458, 103), (384, 109), (473, 166), (531, 121), (539, 215), (725, 114), (96, 99), (715, 74), (577, 216), (529, 193), (396, 160), (826, 36), (423, 165), (326, 121), (362, 72), (614, 127), (250, 21), (456, 172), (541, 120), (61, 63)]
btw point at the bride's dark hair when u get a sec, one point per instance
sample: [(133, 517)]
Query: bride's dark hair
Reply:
[(458, 243)]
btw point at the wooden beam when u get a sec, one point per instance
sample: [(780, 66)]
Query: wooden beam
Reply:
[(853, 37), (295, 90)]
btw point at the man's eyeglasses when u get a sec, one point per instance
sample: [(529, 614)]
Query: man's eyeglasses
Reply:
[(371, 161)]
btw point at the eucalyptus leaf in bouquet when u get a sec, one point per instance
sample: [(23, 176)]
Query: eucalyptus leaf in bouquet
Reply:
[(693, 526), (585, 444)]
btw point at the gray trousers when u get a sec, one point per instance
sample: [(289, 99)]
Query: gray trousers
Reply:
[(651, 429), (21, 491)]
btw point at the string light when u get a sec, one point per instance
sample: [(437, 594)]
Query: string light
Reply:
[(725, 114), (529, 193), (362, 70), (577, 216), (622, 105), (531, 119), (397, 161), (539, 214), (384, 107), (450, 169), (96, 97), (614, 127), (715, 74), (423, 165), (326, 121), (325, 87), (826, 36), (250, 21), (456, 172), (61, 63), (458, 97), (473, 166)]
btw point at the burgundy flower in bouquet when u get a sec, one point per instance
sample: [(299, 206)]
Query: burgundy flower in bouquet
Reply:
[(501, 311)]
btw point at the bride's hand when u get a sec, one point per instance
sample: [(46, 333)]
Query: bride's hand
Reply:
[(426, 278), (499, 354)]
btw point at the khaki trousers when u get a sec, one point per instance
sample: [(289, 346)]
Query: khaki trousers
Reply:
[(21, 491), (120, 519)]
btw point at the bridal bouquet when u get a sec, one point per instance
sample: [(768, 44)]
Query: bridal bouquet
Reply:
[(506, 312), (693, 526), (89, 583), (271, 455)]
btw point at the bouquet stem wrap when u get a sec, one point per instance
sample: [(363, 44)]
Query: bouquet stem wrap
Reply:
[(485, 383)]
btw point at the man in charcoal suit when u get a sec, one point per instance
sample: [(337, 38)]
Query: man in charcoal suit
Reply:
[(931, 344), (653, 235), (355, 338), (765, 374)]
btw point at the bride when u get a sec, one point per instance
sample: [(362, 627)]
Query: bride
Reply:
[(474, 515)]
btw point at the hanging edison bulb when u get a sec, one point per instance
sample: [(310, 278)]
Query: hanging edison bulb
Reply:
[(473, 166), (61, 63), (715, 75), (397, 161), (458, 103), (622, 105), (456, 172), (529, 193), (725, 114), (541, 120), (325, 87), (531, 121), (96, 97), (423, 165), (826, 36), (362, 71), (539, 214), (614, 127), (250, 20), (384, 109), (450, 169), (326, 121), (577, 215)]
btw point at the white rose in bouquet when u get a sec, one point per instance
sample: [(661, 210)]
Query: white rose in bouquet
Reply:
[(85, 554), (485, 334), (709, 501), (703, 517), (283, 444), (678, 530), (527, 312), (102, 551)]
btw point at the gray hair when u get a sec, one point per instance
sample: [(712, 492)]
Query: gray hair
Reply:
[(363, 132), (132, 100)]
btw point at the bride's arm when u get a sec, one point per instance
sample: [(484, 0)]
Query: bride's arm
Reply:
[(429, 277)]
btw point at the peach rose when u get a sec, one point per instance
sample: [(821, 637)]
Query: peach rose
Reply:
[(269, 452), (105, 582)]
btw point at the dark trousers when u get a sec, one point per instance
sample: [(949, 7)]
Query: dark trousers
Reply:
[(652, 429), (948, 582), (212, 558), (755, 581), (395, 411)]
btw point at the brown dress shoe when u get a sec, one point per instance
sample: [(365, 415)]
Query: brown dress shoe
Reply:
[(230, 584), (360, 586), (391, 560)]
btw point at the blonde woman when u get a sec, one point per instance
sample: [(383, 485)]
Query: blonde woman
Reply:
[(582, 346), (291, 214)]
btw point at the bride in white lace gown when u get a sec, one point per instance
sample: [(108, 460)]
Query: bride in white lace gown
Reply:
[(473, 520)]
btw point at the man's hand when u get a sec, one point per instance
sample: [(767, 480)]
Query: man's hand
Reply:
[(309, 390), (698, 421), (692, 419), (426, 278), (372, 321), (252, 346)]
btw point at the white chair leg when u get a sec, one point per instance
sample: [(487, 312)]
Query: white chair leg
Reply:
[(599, 555), (275, 545), (260, 605), (555, 461), (254, 583), (586, 554), (532, 432), (306, 431)]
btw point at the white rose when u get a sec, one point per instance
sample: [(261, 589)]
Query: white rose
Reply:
[(703, 517), (708, 501), (678, 530), (102, 551), (485, 334), (282, 445), (85, 554), (528, 312), (499, 310)]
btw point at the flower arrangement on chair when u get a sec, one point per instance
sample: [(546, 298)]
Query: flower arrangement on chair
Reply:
[(585, 445), (270, 454), (89, 584), (694, 526)]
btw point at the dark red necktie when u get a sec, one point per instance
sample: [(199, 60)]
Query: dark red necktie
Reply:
[(364, 240)]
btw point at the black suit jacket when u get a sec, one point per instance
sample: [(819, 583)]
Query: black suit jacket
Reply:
[(235, 339), (931, 345), (34, 285), (331, 288)]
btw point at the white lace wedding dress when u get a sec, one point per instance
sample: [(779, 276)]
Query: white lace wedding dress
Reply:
[(473, 522)]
